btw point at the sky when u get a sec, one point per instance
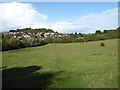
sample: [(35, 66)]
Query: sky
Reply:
[(63, 17)]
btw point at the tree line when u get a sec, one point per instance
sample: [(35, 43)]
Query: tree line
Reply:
[(9, 42)]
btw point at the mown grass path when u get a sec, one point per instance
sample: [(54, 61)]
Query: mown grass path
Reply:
[(72, 65)]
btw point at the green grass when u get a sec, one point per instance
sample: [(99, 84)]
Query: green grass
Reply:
[(72, 65)]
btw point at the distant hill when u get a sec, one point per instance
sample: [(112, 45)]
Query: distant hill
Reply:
[(27, 37), (29, 30)]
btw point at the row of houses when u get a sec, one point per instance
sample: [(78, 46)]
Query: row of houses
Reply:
[(39, 35)]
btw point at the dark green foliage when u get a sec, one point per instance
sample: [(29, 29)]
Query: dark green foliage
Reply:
[(27, 30), (49, 40), (95, 38), (105, 31), (23, 43), (66, 40), (42, 35), (98, 32), (9, 43)]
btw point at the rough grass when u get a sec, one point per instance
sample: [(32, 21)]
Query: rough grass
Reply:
[(72, 65)]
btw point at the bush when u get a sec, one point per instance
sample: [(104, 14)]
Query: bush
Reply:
[(9, 43), (102, 44)]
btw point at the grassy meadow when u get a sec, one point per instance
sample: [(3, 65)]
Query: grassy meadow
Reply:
[(67, 65)]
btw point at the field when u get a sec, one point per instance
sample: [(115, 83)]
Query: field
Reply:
[(70, 65)]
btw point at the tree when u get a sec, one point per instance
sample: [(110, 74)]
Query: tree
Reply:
[(75, 33), (98, 32), (42, 35), (9, 43), (105, 31)]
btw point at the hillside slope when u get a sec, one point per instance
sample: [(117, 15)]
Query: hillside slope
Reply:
[(72, 65)]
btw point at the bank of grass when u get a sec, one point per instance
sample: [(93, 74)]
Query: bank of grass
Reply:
[(71, 65)]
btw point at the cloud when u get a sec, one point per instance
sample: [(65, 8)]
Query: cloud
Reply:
[(68, 27), (104, 20), (18, 15), (23, 15), (90, 23)]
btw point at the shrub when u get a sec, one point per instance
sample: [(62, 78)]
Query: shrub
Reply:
[(9, 43), (102, 44)]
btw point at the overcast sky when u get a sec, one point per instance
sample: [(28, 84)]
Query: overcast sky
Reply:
[(64, 17)]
